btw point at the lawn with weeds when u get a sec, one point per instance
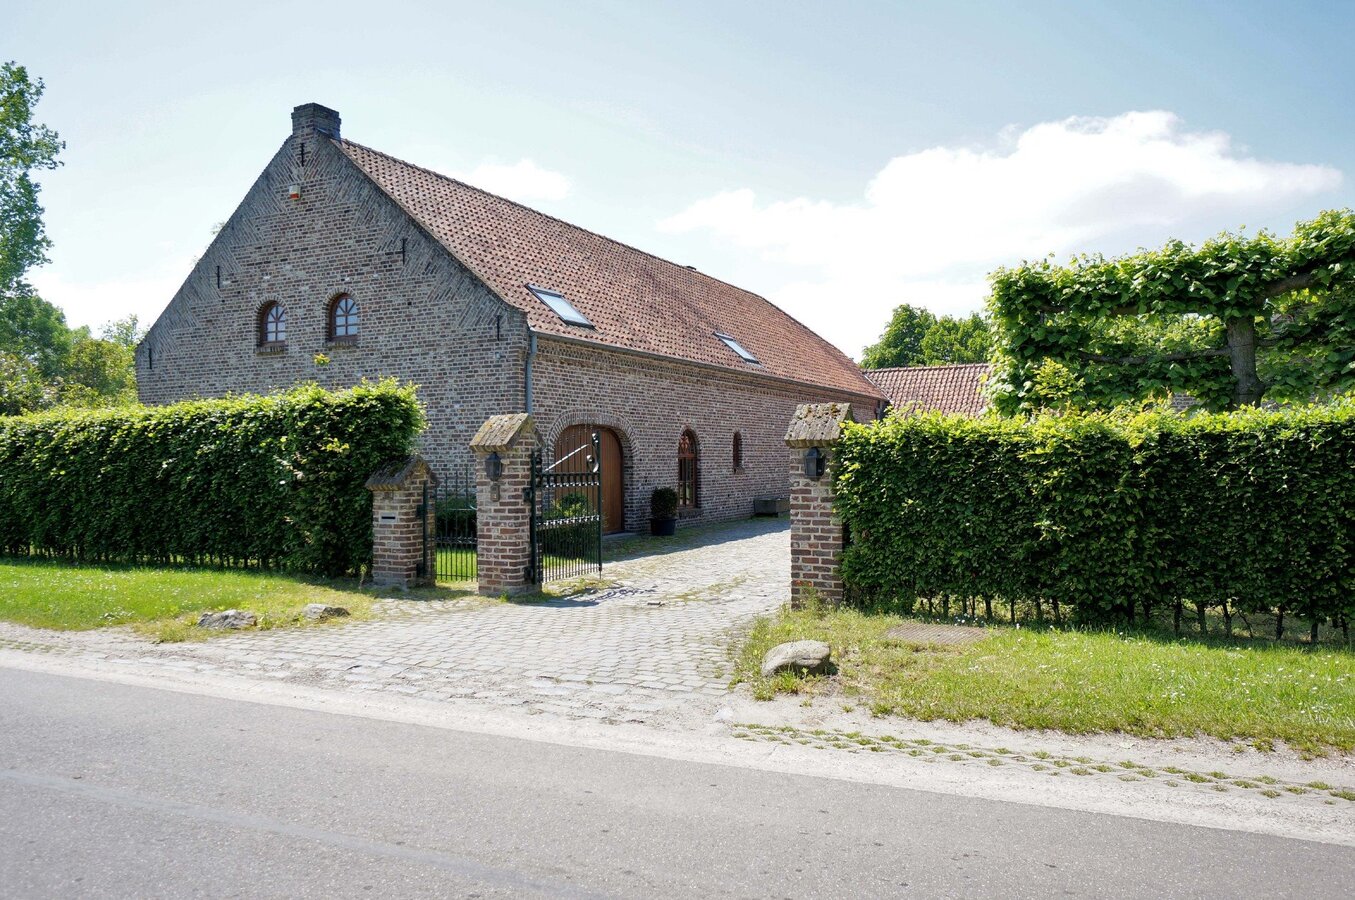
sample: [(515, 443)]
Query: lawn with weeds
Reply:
[(161, 602), (1078, 681)]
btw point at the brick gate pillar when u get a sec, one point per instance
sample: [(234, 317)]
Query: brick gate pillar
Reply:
[(503, 472), (403, 542), (816, 533)]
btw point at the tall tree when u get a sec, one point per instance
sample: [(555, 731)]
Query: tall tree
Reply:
[(102, 371), (917, 337), (126, 331), (22, 387), (25, 147), (1231, 321), (98, 373), (956, 340), (35, 330)]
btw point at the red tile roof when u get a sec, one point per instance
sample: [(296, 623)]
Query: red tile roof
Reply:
[(636, 301), (951, 389)]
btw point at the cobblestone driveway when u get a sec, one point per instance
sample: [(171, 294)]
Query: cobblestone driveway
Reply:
[(656, 642)]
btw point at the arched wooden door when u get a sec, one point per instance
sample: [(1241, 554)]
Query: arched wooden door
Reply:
[(613, 469)]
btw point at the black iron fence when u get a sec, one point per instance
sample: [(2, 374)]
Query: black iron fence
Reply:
[(454, 534), (567, 514)]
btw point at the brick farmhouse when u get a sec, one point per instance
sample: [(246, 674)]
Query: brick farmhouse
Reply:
[(343, 263)]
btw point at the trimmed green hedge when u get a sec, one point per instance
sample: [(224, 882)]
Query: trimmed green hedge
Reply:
[(1107, 515), (274, 481)]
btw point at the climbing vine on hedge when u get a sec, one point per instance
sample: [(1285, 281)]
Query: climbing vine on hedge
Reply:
[(1109, 515), (274, 481), (1230, 321)]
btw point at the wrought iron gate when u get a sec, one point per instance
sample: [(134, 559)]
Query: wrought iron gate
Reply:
[(454, 533), (566, 502)]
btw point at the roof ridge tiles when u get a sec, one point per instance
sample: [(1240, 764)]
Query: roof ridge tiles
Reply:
[(545, 215), (929, 366), (616, 285)]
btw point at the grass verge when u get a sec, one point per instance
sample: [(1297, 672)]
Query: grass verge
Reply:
[(163, 603), (1076, 681)]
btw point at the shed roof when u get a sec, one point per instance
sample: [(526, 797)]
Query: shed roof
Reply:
[(951, 389)]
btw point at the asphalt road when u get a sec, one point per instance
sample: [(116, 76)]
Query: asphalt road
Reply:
[(109, 790)]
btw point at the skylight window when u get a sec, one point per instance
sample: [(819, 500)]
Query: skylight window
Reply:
[(560, 306), (737, 348)]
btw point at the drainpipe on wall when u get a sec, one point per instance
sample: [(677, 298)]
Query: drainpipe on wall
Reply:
[(531, 354)]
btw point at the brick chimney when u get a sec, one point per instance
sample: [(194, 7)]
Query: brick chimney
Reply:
[(312, 118)]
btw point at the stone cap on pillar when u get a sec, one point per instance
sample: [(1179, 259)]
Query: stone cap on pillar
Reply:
[(817, 424), (397, 475), (500, 433)]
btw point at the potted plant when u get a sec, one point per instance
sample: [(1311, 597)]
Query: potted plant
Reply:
[(663, 512)]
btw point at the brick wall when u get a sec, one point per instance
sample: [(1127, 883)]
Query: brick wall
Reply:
[(423, 317), (649, 402), (503, 518), (403, 551), (816, 534)]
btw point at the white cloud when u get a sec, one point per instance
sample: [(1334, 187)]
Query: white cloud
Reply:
[(524, 181), (95, 303), (933, 223)]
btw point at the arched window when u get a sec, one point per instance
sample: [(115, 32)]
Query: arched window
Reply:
[(688, 471), (272, 325), (737, 452), (343, 318)]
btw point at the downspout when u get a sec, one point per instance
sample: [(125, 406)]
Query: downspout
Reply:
[(531, 354)]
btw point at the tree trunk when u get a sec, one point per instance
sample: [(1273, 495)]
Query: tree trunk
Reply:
[(1248, 389), (1199, 617), (1176, 619), (988, 608), (1227, 620), (1279, 625)]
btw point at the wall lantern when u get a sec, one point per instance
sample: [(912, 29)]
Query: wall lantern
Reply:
[(815, 462), (294, 192), (494, 467)]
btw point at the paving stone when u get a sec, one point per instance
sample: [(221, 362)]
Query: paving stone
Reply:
[(613, 657)]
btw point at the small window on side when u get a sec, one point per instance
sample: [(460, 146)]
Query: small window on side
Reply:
[(689, 483), (737, 451), (560, 306), (343, 319), (737, 348), (272, 325)]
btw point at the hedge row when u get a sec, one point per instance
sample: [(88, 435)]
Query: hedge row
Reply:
[(1108, 515), (275, 481)]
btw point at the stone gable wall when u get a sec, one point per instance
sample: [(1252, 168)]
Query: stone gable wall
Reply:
[(649, 402), (423, 317)]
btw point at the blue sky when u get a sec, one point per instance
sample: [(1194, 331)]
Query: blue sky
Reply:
[(837, 158)]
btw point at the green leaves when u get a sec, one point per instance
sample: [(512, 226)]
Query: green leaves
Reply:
[(916, 337), (1146, 325), (1105, 513), (275, 481), (24, 148)]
